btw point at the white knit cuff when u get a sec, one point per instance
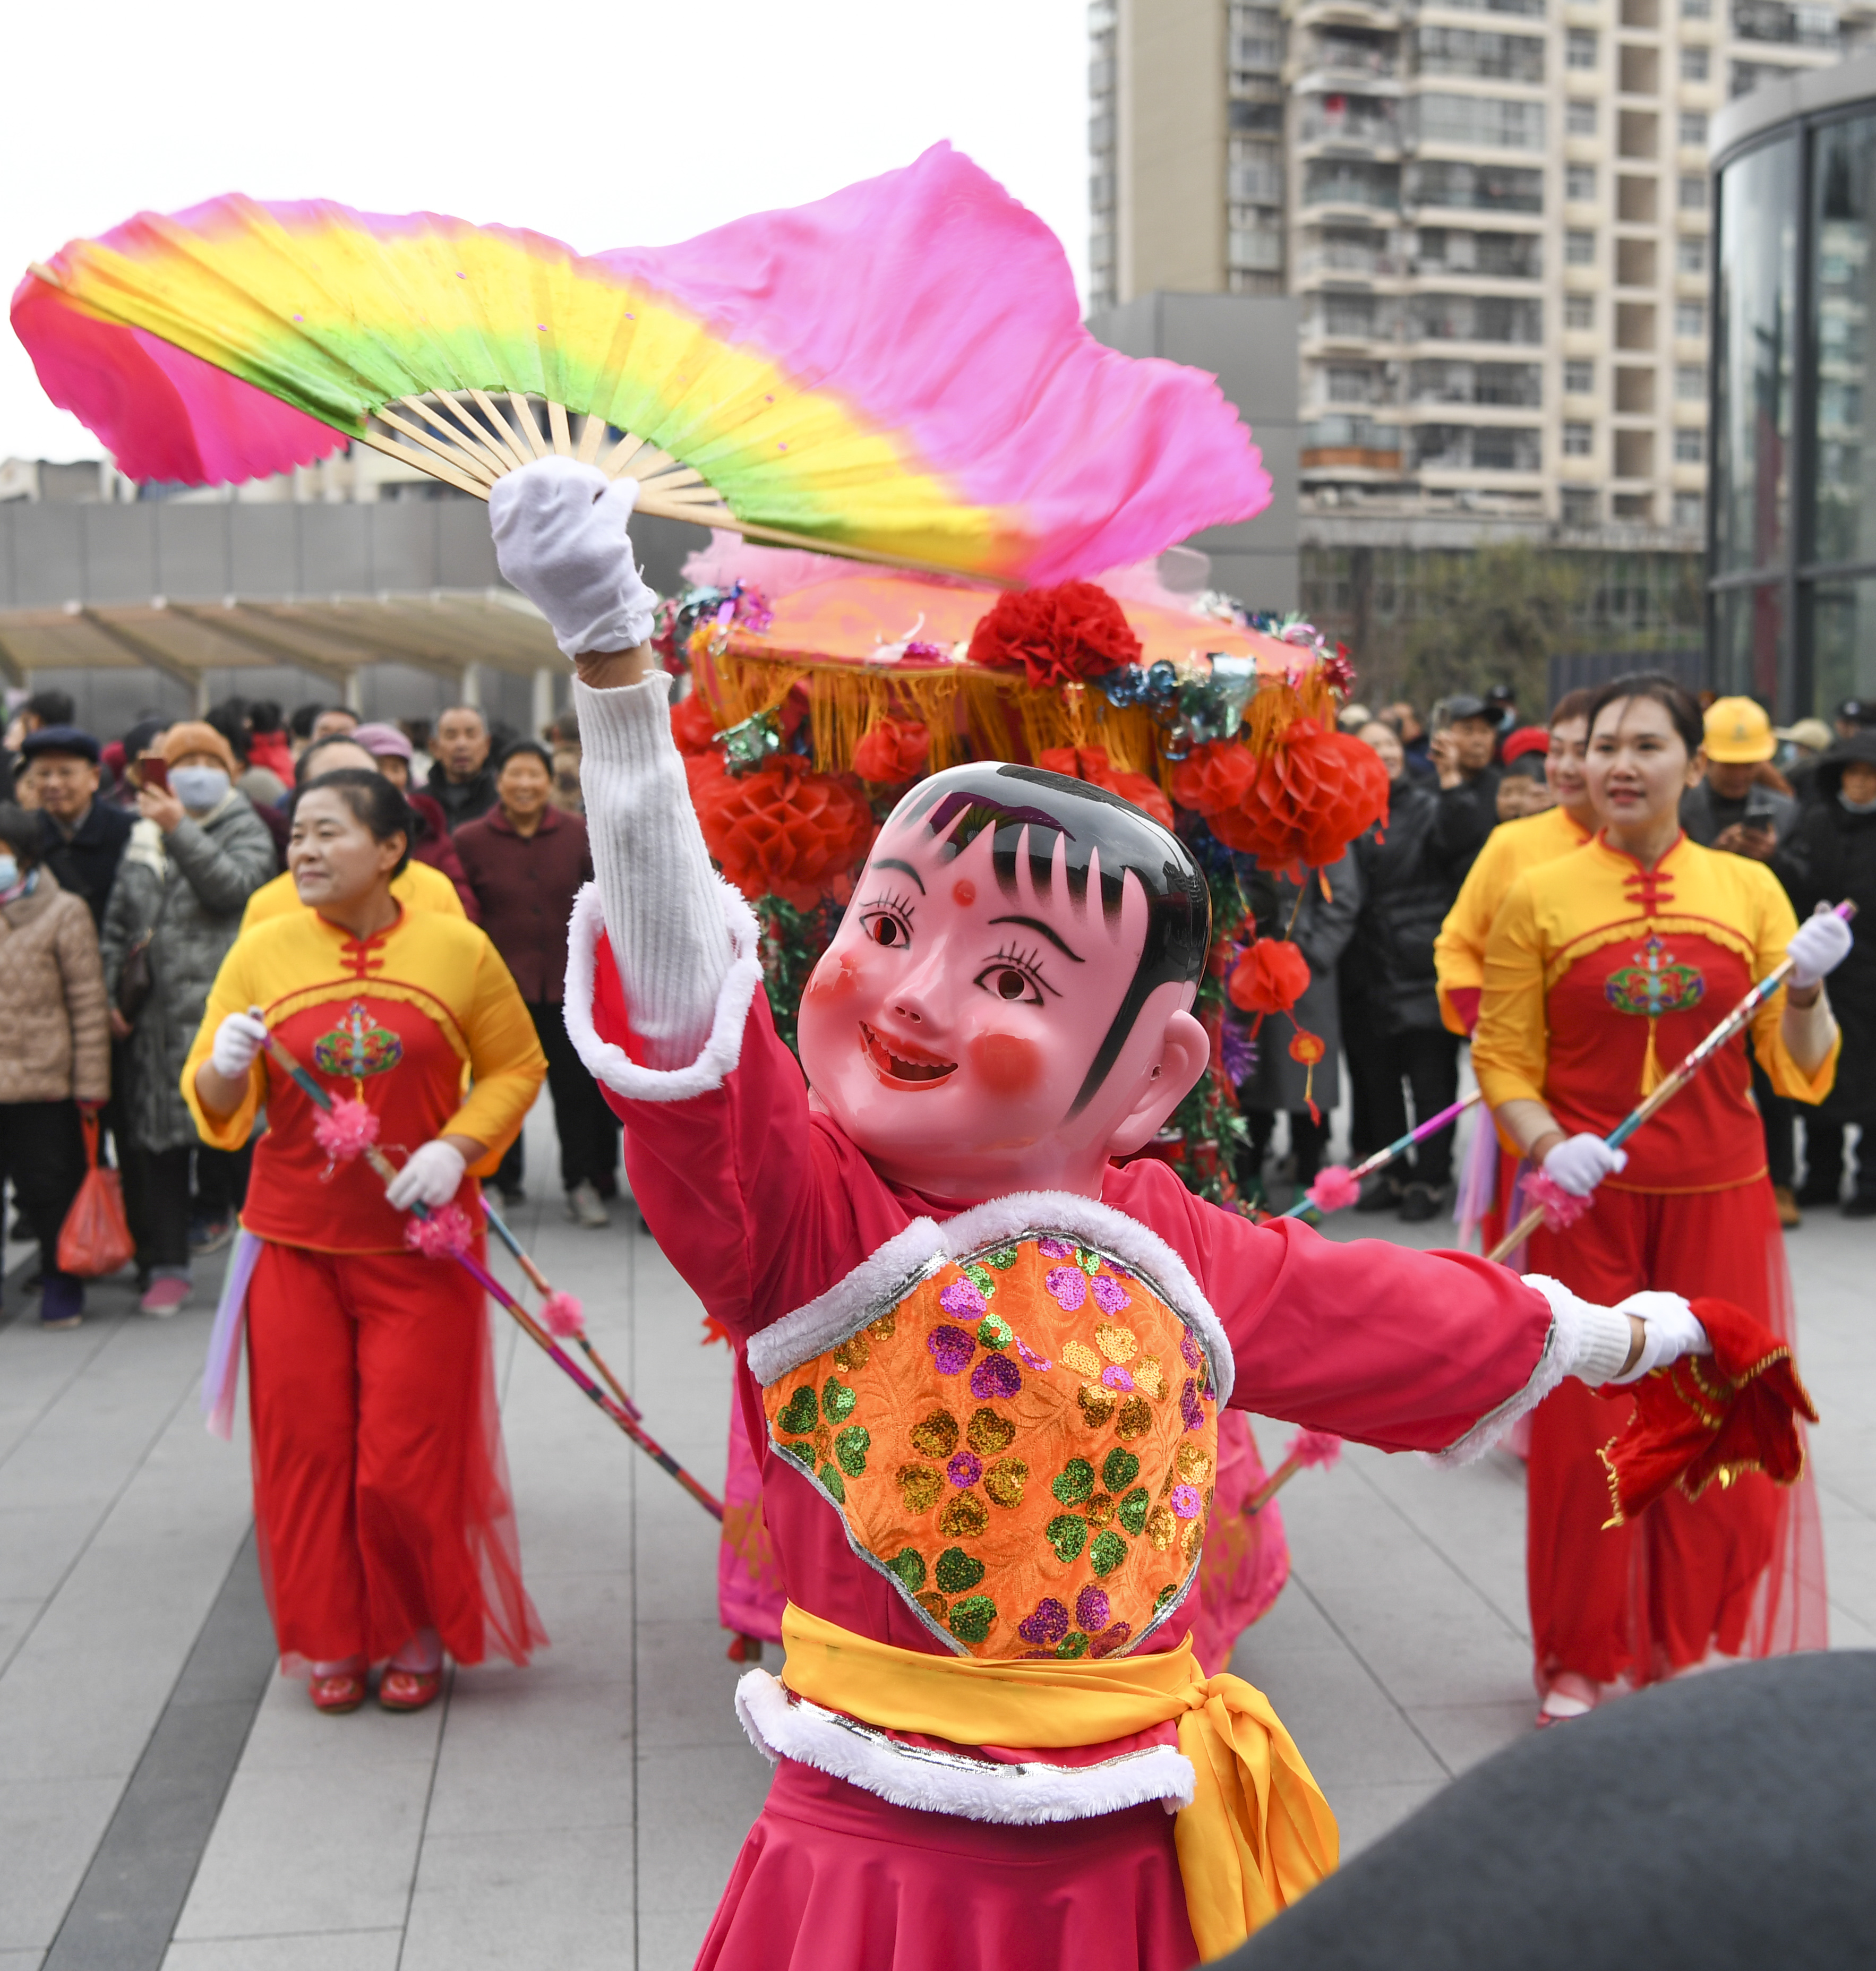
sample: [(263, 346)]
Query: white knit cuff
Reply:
[(1592, 1342), (662, 901)]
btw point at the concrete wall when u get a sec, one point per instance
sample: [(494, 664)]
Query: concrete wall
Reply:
[(51, 555), (1248, 343), (1170, 106)]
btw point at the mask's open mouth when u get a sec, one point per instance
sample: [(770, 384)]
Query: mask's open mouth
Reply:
[(902, 1065)]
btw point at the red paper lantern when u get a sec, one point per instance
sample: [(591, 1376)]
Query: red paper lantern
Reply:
[(694, 725), (1310, 797), (1270, 978), (893, 752), (1212, 779), (783, 830), (1091, 763)]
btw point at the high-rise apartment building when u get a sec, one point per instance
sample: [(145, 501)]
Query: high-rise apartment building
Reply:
[(1494, 213)]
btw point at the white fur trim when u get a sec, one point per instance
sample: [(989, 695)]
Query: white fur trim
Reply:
[(877, 1283), (1028, 1795), (1580, 1342), (890, 1272), (610, 1065)]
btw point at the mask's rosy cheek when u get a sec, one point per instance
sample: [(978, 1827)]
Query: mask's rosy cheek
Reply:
[(1006, 1064), (837, 977)]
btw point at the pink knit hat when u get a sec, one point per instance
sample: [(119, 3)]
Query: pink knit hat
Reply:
[(383, 741)]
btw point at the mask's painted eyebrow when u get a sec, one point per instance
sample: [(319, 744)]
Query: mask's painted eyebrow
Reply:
[(1037, 925), (904, 868)]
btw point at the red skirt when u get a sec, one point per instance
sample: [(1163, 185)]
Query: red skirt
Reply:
[(831, 1878), (1740, 1570), (381, 1496)]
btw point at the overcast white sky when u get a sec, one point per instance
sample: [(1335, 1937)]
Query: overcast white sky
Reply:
[(605, 122)]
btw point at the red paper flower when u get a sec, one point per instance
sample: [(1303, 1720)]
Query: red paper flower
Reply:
[(1270, 978), (1091, 763), (1310, 798), (693, 725), (1059, 635), (784, 831), (894, 752)]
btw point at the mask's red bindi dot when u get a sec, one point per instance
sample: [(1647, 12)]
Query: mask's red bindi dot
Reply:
[(963, 894), (1007, 1063)]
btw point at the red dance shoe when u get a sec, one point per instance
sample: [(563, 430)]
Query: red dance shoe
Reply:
[(408, 1690), (337, 1694)]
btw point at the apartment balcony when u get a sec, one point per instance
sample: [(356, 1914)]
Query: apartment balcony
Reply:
[(1367, 13), (1778, 22), (1345, 444), (1350, 184), (1343, 261), (1346, 123)]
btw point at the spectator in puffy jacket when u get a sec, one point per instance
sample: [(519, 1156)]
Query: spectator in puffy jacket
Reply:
[(55, 1048), (1834, 857), (1391, 1025), (198, 852), (1462, 754)]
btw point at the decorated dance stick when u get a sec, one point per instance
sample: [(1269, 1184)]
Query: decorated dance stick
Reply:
[(445, 1230), (562, 1314), (1557, 1207), (1305, 1448), (1337, 1187)]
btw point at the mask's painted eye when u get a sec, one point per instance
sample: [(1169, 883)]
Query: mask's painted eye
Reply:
[(887, 931), (1011, 985)]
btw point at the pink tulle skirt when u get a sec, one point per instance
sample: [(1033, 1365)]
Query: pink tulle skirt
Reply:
[(831, 1878), (750, 1595)]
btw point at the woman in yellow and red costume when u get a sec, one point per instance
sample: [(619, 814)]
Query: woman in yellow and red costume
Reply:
[(1603, 970), (982, 1361), (381, 1496)]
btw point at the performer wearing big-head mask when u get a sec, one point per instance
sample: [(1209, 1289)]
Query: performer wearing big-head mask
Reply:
[(983, 1362)]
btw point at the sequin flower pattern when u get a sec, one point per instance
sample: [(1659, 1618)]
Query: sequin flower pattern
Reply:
[(1024, 1445)]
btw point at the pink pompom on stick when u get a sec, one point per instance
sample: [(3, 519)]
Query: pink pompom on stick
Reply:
[(1561, 1208), (443, 1234), (345, 1131), (1312, 1447), (1336, 1188), (564, 1317)]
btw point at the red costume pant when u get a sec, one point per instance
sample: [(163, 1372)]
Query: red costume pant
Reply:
[(381, 1494), (1741, 1569)]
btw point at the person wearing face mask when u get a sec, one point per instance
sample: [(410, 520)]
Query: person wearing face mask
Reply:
[(381, 1494), (417, 886), (197, 854), (982, 1346), (1604, 970), (55, 1053), (1835, 858)]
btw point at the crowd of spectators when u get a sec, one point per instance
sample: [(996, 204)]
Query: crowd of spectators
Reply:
[(129, 868)]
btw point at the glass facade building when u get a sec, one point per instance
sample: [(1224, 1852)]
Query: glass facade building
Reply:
[(1791, 591)]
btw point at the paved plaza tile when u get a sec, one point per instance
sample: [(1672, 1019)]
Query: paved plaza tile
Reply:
[(169, 1804)]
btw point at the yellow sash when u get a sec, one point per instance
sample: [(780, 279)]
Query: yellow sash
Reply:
[(1259, 1833)]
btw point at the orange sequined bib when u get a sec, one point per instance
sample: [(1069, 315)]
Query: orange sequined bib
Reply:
[(1015, 1415)]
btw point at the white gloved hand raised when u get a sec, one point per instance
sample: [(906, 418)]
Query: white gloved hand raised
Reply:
[(1822, 944), (1578, 1164), (560, 538), (432, 1177), (1673, 1331), (237, 1044)]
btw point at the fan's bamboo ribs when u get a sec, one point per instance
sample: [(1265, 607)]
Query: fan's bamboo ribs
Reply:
[(474, 443), (409, 455), (524, 419), (457, 457), (499, 425), (557, 428), (592, 435)]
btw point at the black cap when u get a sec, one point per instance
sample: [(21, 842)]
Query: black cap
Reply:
[(1467, 706), (1857, 712), (1501, 693), (1827, 777), (66, 739)]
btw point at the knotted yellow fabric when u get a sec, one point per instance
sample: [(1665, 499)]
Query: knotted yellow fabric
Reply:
[(1259, 1833)]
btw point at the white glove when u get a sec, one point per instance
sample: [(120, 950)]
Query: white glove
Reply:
[(1672, 1332), (237, 1044), (1821, 945), (1578, 1164), (560, 538), (432, 1177)]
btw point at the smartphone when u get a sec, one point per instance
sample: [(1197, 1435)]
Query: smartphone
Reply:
[(153, 770)]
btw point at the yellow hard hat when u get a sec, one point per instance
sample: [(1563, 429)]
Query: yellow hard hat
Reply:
[(1739, 732)]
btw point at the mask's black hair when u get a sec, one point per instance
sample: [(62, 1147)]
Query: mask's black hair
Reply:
[(1024, 805), (374, 802)]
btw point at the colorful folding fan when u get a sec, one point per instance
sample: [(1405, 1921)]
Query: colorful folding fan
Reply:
[(895, 373)]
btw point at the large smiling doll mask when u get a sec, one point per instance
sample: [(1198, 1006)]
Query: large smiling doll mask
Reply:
[(1006, 1004)]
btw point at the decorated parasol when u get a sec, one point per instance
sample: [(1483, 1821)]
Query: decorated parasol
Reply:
[(895, 373)]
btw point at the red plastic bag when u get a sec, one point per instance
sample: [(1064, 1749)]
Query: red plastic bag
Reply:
[(95, 1239)]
